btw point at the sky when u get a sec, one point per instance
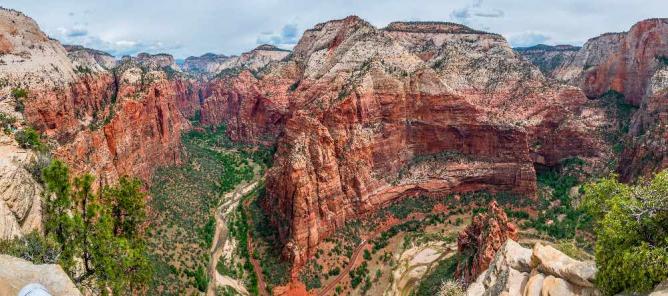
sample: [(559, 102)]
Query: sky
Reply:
[(195, 27)]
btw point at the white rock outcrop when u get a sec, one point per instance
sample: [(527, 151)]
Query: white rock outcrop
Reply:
[(16, 273), (543, 271)]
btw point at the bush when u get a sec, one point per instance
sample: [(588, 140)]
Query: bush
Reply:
[(29, 138), (19, 94), (7, 123), (32, 247), (631, 226), (450, 288)]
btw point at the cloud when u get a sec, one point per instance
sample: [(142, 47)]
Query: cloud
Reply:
[(472, 13), (288, 37), (77, 32), (529, 38)]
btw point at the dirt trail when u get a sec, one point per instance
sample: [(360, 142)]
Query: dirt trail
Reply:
[(384, 227), (229, 202)]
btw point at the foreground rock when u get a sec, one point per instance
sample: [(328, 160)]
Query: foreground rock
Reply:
[(15, 273), (544, 270), (20, 193)]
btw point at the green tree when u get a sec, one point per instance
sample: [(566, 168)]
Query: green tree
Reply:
[(632, 233), (106, 229)]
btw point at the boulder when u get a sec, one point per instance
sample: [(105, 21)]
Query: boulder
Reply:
[(16, 273), (553, 262)]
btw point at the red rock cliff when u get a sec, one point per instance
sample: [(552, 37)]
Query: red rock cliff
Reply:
[(370, 106)]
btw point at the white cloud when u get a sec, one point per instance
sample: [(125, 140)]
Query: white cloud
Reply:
[(195, 27)]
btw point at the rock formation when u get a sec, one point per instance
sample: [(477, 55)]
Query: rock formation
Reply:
[(480, 241), (542, 270), (20, 193), (16, 273), (549, 58), (212, 64), (632, 64), (106, 118), (368, 106)]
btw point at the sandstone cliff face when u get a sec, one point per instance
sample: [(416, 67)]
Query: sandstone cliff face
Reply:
[(101, 118), (368, 106), (549, 58), (20, 194), (480, 241), (211, 64), (649, 131), (633, 64)]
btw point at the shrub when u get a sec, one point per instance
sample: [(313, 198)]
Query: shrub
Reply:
[(29, 138), (631, 226), (19, 94), (450, 288), (7, 123), (32, 247)]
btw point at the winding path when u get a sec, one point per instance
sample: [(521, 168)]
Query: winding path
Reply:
[(344, 273)]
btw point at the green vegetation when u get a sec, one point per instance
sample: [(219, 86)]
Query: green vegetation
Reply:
[(359, 274), (104, 229), (558, 217), (183, 201), (19, 94), (663, 60), (7, 123), (310, 275), (275, 270), (32, 247), (632, 233), (29, 138), (238, 228), (617, 107), (83, 70), (431, 284)]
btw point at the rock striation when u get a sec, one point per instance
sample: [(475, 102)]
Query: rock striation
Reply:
[(101, 116), (549, 58), (632, 64), (212, 64), (373, 115), (542, 270)]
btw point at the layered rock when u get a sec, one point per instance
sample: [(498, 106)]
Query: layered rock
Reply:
[(212, 64), (108, 122), (481, 240), (549, 58), (20, 193), (649, 131), (16, 273), (368, 106), (87, 59)]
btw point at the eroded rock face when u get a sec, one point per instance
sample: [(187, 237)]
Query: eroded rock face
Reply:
[(16, 273), (549, 58), (367, 107), (212, 64), (109, 123), (481, 240), (20, 194), (544, 270)]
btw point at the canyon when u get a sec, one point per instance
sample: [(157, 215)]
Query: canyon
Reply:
[(361, 117)]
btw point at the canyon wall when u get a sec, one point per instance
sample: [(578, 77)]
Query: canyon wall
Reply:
[(412, 109), (633, 65)]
